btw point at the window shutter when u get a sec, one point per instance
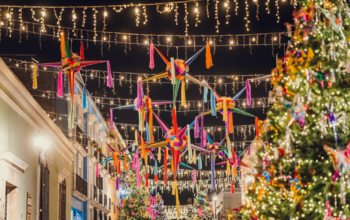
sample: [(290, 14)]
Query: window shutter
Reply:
[(44, 192)]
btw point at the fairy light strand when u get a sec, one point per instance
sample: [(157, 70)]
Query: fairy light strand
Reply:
[(186, 21), (268, 6), (247, 15), (196, 10), (217, 16), (176, 14), (144, 15), (227, 6), (278, 11)]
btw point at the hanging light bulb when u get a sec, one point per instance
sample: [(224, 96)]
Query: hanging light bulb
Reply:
[(74, 16), (43, 13), (105, 13), (136, 10), (8, 15), (104, 38), (231, 42), (226, 4), (168, 39), (210, 42), (189, 42), (124, 37), (254, 39), (146, 41), (166, 8), (274, 38), (196, 9)]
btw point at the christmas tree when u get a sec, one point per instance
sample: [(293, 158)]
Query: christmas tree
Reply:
[(303, 149), (136, 200), (159, 210), (201, 208)]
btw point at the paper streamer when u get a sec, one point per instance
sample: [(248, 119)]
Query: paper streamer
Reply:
[(183, 93), (212, 172), (232, 187), (150, 126), (196, 127), (212, 103), (202, 131), (134, 162), (151, 56), (257, 126), (208, 58), (125, 162), (172, 66), (117, 184), (199, 162), (229, 148), (71, 117), (159, 154), (82, 55), (205, 93), (60, 85), (84, 97), (228, 168), (110, 82), (248, 92), (138, 168), (139, 94), (97, 174), (147, 133), (136, 139), (165, 166), (204, 139), (194, 157), (111, 118), (35, 80), (133, 147), (189, 144), (194, 176), (63, 45), (230, 123)]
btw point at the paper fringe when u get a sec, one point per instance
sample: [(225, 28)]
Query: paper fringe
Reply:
[(230, 123), (151, 56), (248, 92), (150, 125), (212, 172), (97, 174), (155, 178), (82, 56), (35, 78), (155, 167), (172, 66), (84, 98), (140, 120), (204, 138), (232, 187), (148, 137), (233, 155), (134, 162), (202, 132), (125, 162), (205, 94), (165, 166), (257, 126), (139, 102), (117, 184), (110, 82), (228, 168), (199, 162), (173, 189), (159, 154), (63, 46), (138, 168), (194, 176), (229, 148), (71, 117), (136, 139), (212, 103), (176, 131), (189, 144), (111, 118), (183, 93), (196, 127), (224, 113), (194, 157), (208, 58), (177, 201), (147, 179), (60, 85)]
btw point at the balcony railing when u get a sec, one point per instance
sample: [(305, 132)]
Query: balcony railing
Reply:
[(109, 204), (80, 185), (105, 201), (95, 192)]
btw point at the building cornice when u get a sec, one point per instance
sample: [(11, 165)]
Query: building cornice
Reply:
[(14, 161)]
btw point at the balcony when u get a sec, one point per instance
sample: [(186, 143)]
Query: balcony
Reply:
[(99, 199), (105, 201), (111, 170), (109, 204), (79, 187), (100, 196)]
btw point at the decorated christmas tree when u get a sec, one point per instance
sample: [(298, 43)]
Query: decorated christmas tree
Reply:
[(159, 210), (201, 208), (136, 199), (301, 165)]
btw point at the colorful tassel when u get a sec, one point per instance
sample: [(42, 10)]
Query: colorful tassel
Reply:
[(177, 201), (165, 166), (176, 131), (150, 125), (71, 117), (248, 92), (172, 66), (147, 133), (228, 168), (117, 184), (35, 78), (204, 139), (139, 102), (60, 85), (224, 113), (212, 172), (97, 174), (232, 187), (183, 93), (228, 142), (159, 154), (151, 56), (194, 157), (134, 162), (233, 155), (136, 139), (125, 162), (138, 168), (234, 171), (196, 127), (147, 179), (84, 98), (202, 132), (205, 93), (63, 46), (199, 162), (110, 82), (194, 176), (173, 190), (82, 56), (189, 144), (155, 178), (208, 58), (257, 126), (230, 123), (111, 118), (212, 103)]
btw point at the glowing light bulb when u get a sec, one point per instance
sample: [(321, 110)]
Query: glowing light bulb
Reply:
[(44, 67), (253, 38), (124, 37), (136, 10), (220, 80), (43, 13), (146, 42), (274, 38), (2, 23), (105, 14), (189, 42), (74, 16), (8, 15), (196, 10), (23, 28), (104, 38), (168, 39), (166, 8), (17, 64), (210, 42), (226, 4), (231, 42)]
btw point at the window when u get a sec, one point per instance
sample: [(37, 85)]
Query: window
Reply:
[(44, 192), (8, 191), (95, 214), (62, 200)]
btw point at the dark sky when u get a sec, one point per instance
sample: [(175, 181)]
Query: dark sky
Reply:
[(239, 60)]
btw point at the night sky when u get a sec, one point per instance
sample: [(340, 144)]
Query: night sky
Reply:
[(239, 60)]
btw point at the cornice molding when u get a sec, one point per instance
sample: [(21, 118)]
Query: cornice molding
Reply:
[(14, 161)]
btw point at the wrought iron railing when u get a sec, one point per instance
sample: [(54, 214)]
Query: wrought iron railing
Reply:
[(100, 195), (80, 184)]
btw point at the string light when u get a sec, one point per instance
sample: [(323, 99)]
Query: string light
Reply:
[(277, 13), (227, 6), (217, 16), (84, 17), (95, 27), (74, 18), (236, 6), (186, 21), (247, 15), (268, 6), (257, 9), (144, 14), (176, 14), (137, 16), (196, 10)]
